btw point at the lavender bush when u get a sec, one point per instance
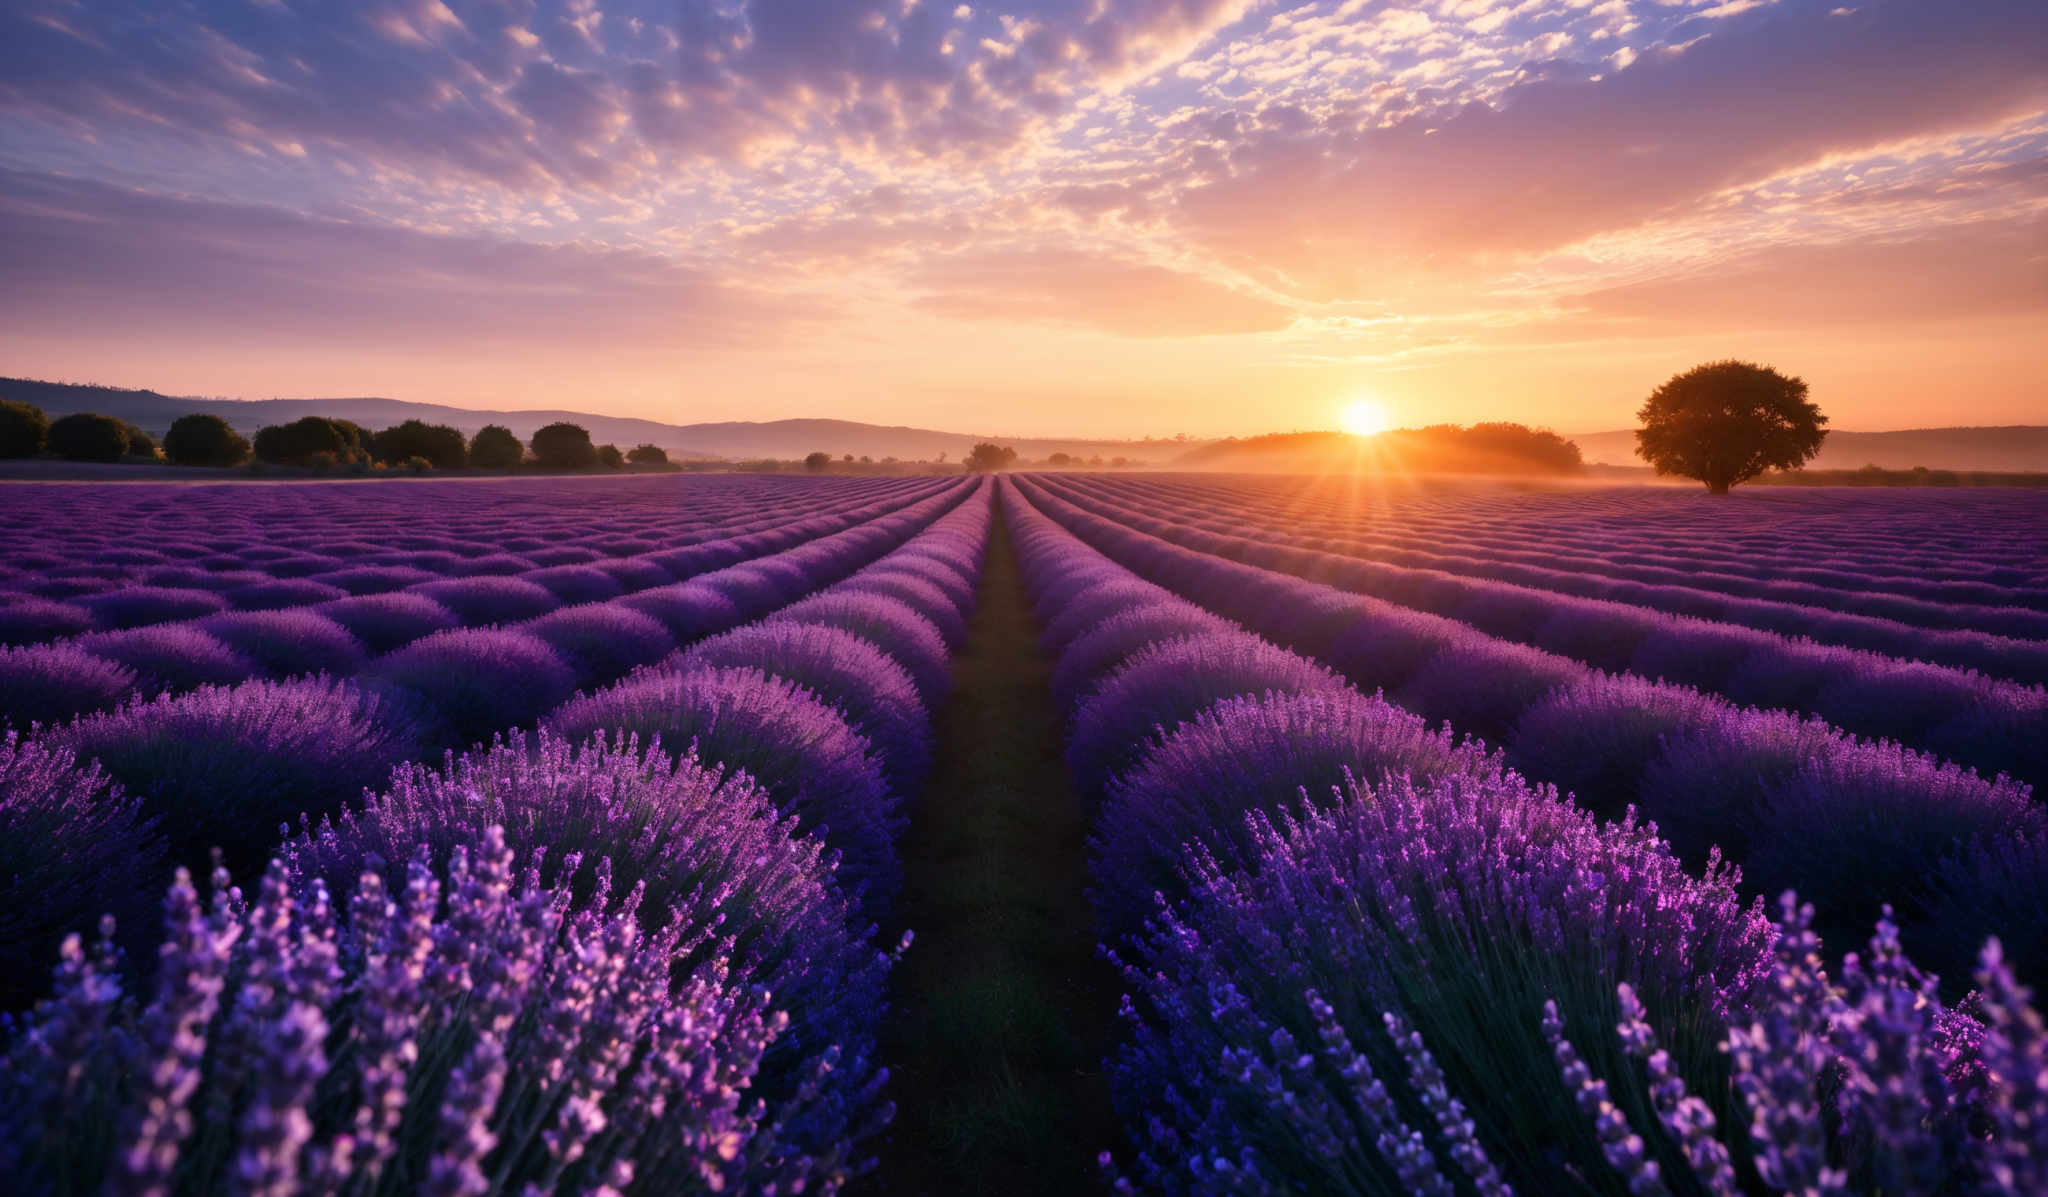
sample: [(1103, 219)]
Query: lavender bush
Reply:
[(861, 680), (228, 767), (47, 683), (603, 642), (73, 846), (288, 643), (798, 747), (1272, 753), (711, 847), (890, 624), (1458, 905), (474, 1030), (384, 622), (475, 682)]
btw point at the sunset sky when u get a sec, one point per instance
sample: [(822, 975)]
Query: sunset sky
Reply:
[(1099, 217)]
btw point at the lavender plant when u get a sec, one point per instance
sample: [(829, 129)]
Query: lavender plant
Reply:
[(476, 1030), (709, 846), (230, 767), (73, 846)]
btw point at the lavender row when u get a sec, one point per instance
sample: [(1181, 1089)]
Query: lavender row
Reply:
[(1886, 542), (1553, 640), (65, 582), (1851, 824), (1446, 895), (783, 919), (1995, 639), (826, 703), (400, 633)]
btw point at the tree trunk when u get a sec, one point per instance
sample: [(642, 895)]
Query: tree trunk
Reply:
[(1717, 488)]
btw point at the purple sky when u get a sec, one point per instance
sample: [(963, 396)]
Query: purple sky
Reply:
[(1086, 216)]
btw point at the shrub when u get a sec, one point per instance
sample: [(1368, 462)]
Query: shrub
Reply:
[(29, 620), (138, 606), (1594, 740), (1870, 823), (796, 746), (1088, 609), (1707, 786), (490, 600), (140, 443), (86, 436), (709, 847), (495, 448), (229, 766), (384, 622), (48, 683), (170, 657), (1267, 752), (298, 442), (919, 594), (374, 579), (888, 623), (688, 610), (73, 847), (288, 643), (283, 592), (1482, 687), (1113, 641), (603, 641), (204, 440), (475, 682), (648, 455), (564, 446), (369, 1049), (435, 445), (1163, 686), (870, 689), (576, 583), (24, 429), (609, 457), (1457, 905)]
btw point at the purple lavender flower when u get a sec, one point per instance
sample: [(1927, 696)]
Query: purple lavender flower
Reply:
[(475, 682), (288, 643), (48, 683)]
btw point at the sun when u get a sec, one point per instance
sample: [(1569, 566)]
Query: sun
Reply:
[(1363, 417)]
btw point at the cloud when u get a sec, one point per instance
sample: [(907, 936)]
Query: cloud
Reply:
[(1561, 158), (75, 251), (1063, 286)]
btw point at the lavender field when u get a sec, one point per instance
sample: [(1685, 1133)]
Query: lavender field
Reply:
[(1023, 833)]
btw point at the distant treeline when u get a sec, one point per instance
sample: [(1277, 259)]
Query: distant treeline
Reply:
[(1871, 475), (1496, 448), (315, 443)]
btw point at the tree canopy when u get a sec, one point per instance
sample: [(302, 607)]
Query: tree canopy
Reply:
[(988, 456), (648, 455), (564, 446), (298, 441), (204, 440), (437, 444), (495, 448), (1726, 422), (86, 436), (23, 429)]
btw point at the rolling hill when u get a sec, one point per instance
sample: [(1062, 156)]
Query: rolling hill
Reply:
[(153, 412)]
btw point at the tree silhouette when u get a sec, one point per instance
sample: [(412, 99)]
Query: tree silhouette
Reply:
[(818, 463), (204, 440), (494, 448), (988, 457), (439, 445), (23, 429), (648, 455), (89, 436), (1727, 422), (564, 447)]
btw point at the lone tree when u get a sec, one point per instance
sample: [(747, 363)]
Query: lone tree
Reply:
[(1727, 422), (23, 429), (818, 462), (204, 440), (494, 448), (564, 447), (988, 457), (648, 455)]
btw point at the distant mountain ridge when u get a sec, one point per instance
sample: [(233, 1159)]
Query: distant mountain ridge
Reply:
[(2006, 448), (731, 439)]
